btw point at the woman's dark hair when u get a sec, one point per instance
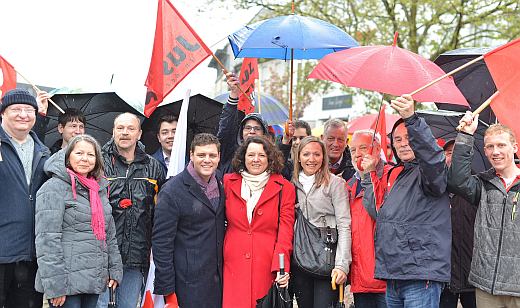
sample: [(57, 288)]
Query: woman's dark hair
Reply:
[(97, 172), (275, 159)]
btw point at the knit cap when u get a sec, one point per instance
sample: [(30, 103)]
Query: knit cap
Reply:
[(18, 96)]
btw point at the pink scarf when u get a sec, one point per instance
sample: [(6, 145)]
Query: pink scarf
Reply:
[(96, 207)]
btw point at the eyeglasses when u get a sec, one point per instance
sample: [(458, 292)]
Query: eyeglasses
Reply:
[(18, 111), (249, 128)]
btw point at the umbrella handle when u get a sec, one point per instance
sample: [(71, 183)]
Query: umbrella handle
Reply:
[(341, 293), (333, 281), (480, 108)]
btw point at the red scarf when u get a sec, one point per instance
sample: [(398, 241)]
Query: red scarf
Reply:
[(96, 207)]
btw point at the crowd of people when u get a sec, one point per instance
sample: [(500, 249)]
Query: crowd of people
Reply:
[(422, 230)]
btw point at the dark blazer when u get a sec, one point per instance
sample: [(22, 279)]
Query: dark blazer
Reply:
[(159, 156), (187, 242)]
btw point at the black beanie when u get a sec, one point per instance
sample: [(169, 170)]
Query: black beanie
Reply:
[(18, 96)]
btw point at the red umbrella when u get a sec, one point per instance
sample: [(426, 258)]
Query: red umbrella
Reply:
[(388, 69), (368, 121)]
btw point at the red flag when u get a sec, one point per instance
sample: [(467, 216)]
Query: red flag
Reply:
[(381, 129), (504, 65), (177, 50), (248, 75), (7, 76)]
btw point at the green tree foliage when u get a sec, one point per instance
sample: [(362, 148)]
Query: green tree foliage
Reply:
[(426, 27)]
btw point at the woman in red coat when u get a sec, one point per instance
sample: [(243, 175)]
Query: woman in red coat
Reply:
[(256, 232)]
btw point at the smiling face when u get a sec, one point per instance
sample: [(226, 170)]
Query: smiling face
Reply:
[(500, 151), (335, 139), (252, 128), (361, 145), (205, 160), (311, 158), (166, 135), (82, 158), (18, 119), (401, 144), (256, 160), (71, 129)]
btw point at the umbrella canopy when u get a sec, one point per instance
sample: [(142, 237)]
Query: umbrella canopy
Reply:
[(443, 124), (100, 110), (271, 109), (203, 117), (388, 69), (475, 81), (273, 38), (367, 121)]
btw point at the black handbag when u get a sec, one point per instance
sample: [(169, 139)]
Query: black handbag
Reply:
[(314, 248), (276, 298)]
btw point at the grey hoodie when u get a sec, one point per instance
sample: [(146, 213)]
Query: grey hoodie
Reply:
[(70, 259)]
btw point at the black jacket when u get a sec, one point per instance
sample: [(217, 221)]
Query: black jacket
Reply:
[(346, 169), (139, 182), (188, 237), (463, 222)]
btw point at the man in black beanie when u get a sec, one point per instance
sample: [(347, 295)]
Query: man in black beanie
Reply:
[(21, 170)]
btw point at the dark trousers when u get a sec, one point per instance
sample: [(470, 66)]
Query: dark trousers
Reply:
[(79, 301), (370, 300), (17, 285), (311, 292), (450, 299)]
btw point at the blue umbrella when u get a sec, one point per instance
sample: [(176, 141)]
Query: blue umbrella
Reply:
[(287, 38), (270, 108), (273, 38)]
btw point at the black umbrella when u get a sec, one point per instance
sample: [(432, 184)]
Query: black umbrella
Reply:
[(474, 81), (100, 110), (203, 117), (443, 124)]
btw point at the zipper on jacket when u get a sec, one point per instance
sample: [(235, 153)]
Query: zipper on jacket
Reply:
[(499, 245)]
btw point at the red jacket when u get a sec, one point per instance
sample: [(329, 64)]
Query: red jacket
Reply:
[(251, 250), (363, 252)]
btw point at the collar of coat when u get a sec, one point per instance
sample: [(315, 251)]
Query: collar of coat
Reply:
[(271, 190)]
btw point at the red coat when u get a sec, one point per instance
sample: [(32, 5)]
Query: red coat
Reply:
[(363, 252), (251, 250)]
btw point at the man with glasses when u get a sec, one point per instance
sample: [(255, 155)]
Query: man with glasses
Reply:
[(22, 157), (70, 124), (230, 133), (296, 131)]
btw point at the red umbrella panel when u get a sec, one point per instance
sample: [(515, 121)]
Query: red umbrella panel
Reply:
[(388, 69), (368, 121)]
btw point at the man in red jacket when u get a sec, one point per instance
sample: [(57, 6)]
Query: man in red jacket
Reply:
[(368, 291)]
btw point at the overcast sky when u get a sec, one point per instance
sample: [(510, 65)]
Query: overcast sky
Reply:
[(70, 43)]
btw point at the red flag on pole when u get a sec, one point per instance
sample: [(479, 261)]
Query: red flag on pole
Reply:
[(248, 75), (504, 65), (379, 127), (177, 50), (7, 76)]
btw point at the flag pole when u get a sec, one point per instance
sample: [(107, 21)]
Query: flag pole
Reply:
[(38, 90), (447, 75), (226, 71), (259, 92), (481, 108)]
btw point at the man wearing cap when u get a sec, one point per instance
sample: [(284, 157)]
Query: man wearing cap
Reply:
[(22, 156), (230, 132)]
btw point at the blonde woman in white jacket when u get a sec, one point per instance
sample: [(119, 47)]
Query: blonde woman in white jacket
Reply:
[(322, 198)]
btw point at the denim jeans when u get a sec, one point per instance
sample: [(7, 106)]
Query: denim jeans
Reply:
[(413, 293), (127, 292), (370, 300), (79, 301)]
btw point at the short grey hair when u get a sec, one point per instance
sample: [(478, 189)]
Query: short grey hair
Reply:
[(369, 132), (334, 123), (130, 114)]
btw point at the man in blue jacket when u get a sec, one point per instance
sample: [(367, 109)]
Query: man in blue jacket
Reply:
[(188, 232), (166, 128), (22, 156), (412, 211)]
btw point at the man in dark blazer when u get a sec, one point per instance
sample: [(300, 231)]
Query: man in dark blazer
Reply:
[(188, 232)]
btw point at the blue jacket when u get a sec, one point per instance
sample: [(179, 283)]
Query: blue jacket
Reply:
[(413, 225), (187, 243), (158, 155), (18, 200)]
